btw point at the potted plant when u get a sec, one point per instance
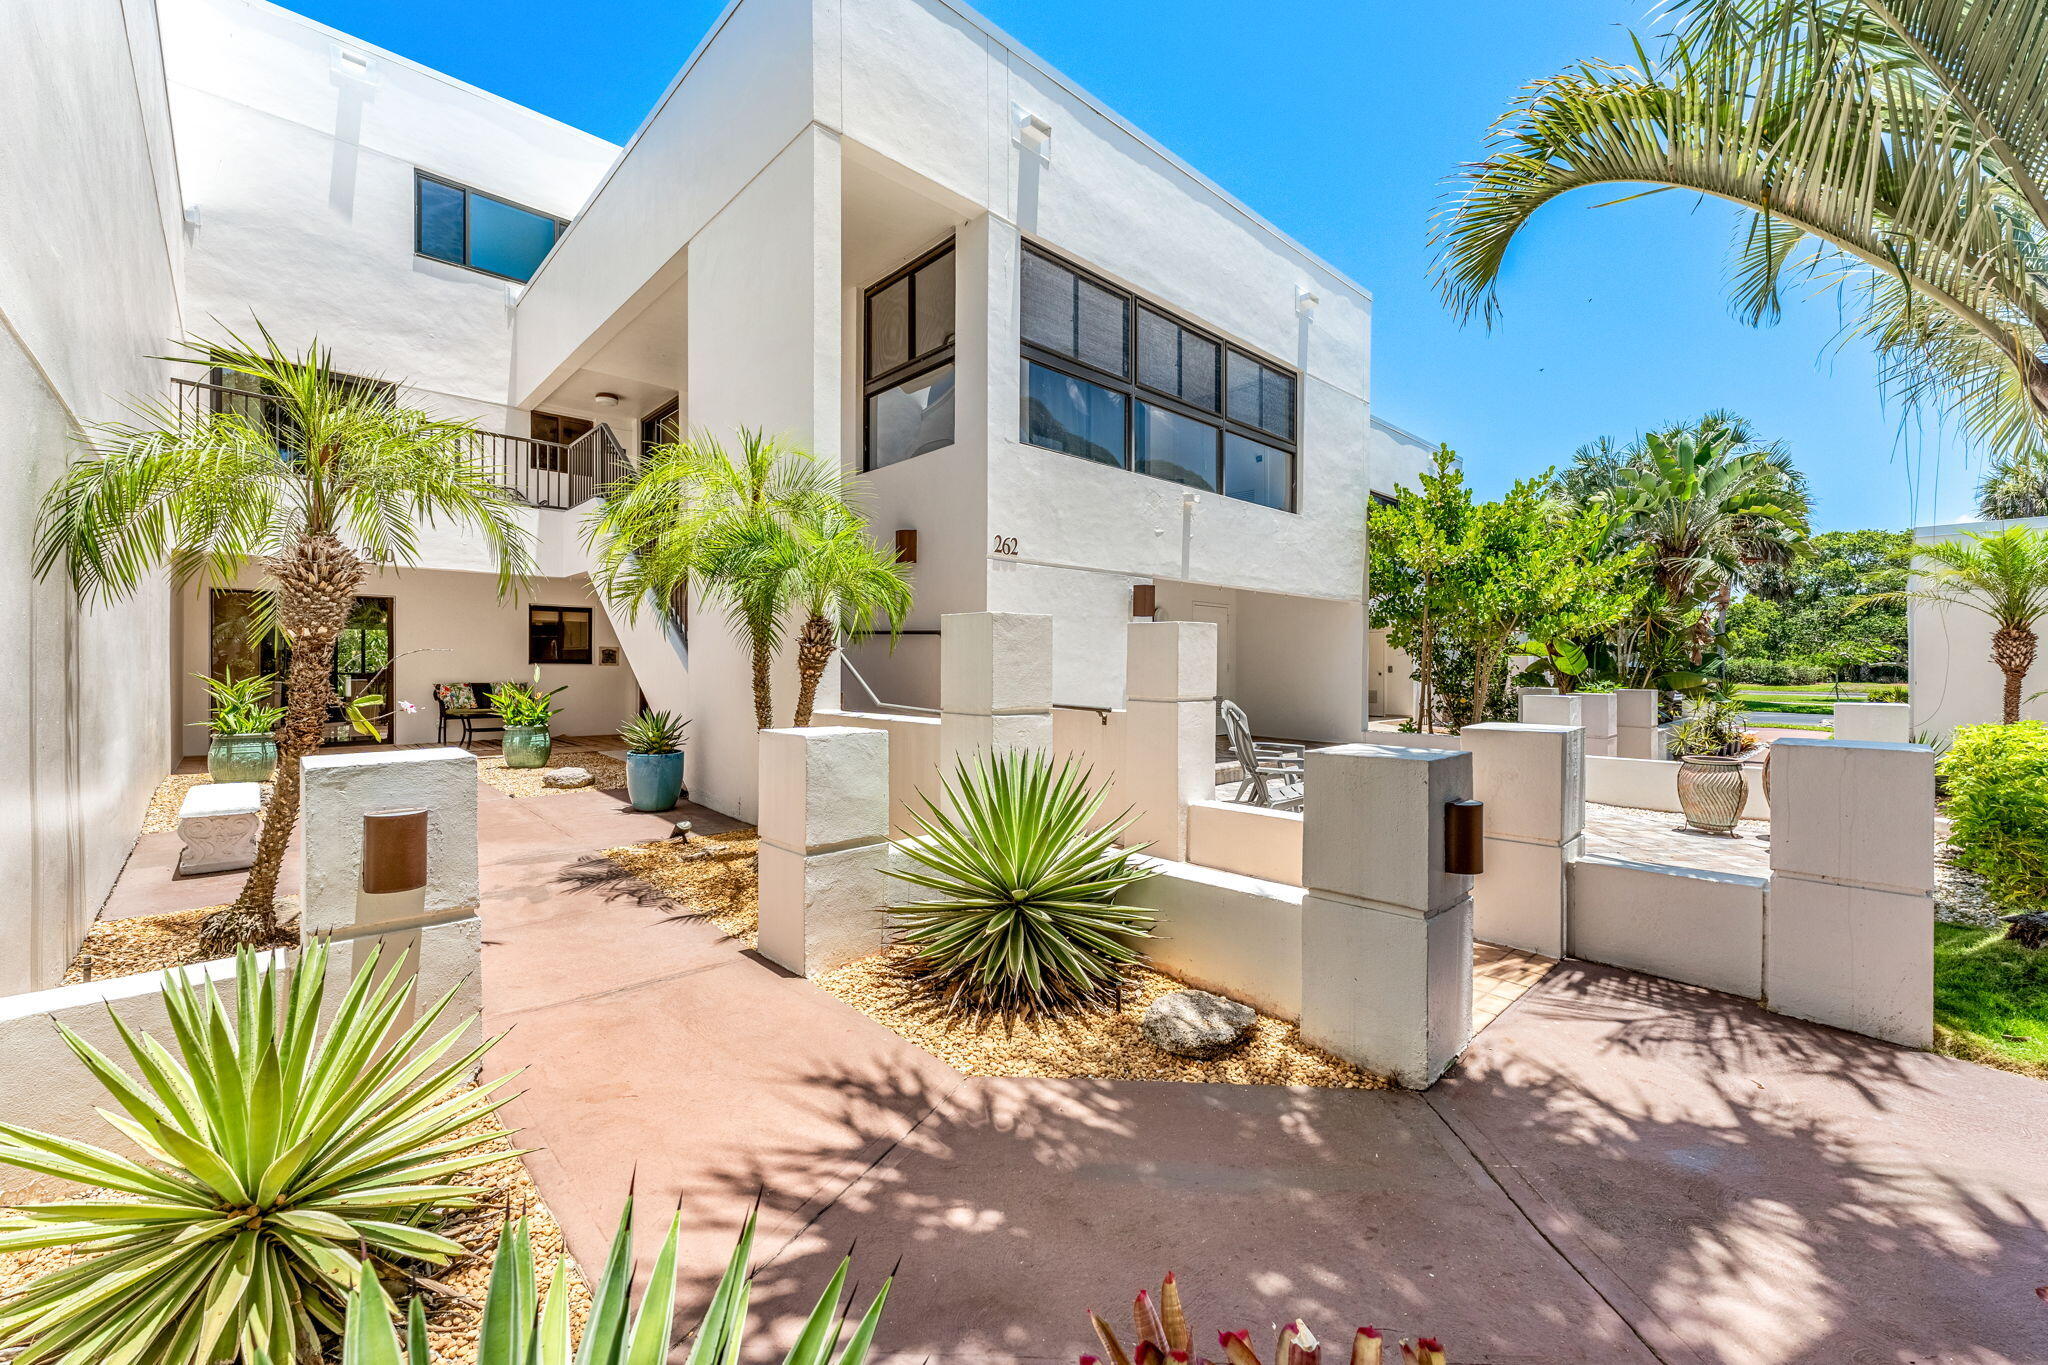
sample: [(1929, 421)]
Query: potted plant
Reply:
[(527, 712), (1709, 746), (243, 721), (654, 759)]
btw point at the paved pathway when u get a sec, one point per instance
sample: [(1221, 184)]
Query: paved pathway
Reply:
[(1621, 1169), (1662, 836)]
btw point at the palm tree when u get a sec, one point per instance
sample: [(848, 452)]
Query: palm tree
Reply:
[(2015, 487), (312, 483), (1895, 147), (2003, 577), (843, 582), (691, 514)]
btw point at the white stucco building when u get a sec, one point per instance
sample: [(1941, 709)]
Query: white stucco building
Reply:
[(1948, 652), (1086, 378)]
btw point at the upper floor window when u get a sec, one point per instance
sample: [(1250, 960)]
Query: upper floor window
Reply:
[(468, 227), (1115, 380), (907, 360)]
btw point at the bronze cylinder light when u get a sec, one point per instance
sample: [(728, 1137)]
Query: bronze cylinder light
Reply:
[(394, 851), (1465, 837)]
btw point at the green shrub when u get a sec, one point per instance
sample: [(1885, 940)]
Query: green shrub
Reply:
[(1775, 672), (276, 1157), (1892, 692), (1997, 780), (1027, 918), (520, 1327)]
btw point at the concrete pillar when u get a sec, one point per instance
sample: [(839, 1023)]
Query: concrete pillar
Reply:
[(1533, 781), (437, 926), (1635, 723), (1386, 944), (1550, 708), (824, 845), (1169, 730), (995, 684), (1597, 712), (1849, 923), (1873, 722)]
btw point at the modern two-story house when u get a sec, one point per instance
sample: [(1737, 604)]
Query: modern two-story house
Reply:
[(1078, 377)]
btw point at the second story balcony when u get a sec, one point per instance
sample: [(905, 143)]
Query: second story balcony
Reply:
[(538, 473)]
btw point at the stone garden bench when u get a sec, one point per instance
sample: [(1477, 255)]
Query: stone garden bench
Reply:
[(218, 823)]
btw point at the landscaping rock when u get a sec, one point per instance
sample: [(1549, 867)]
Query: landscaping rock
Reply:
[(1196, 1023), (568, 777)]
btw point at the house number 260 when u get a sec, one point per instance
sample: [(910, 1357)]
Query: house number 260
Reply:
[(1006, 545)]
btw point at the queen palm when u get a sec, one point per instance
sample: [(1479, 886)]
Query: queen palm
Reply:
[(843, 582), (1898, 147), (2003, 577), (310, 484), (691, 514)]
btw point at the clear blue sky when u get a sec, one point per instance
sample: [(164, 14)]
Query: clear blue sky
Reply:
[(1338, 120)]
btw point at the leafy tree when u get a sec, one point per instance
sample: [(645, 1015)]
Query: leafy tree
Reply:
[(311, 485), (2015, 486), (1848, 587), (2003, 577), (1894, 149), (1415, 545)]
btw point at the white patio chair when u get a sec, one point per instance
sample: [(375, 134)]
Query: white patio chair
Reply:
[(1274, 774)]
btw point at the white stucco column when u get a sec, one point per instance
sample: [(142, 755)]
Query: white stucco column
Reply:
[(1874, 722), (824, 845), (436, 926), (995, 684), (1533, 781), (1169, 730), (1635, 723), (1849, 922), (1541, 706), (1386, 944)]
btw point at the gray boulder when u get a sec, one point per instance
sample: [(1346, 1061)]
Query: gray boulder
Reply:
[(1196, 1023), (568, 777)]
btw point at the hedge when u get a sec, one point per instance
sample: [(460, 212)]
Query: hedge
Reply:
[(1997, 781)]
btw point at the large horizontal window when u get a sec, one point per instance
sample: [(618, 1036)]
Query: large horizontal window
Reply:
[(467, 227), (1073, 416), (1115, 380), (907, 360)]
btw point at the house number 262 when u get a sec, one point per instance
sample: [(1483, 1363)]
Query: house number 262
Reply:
[(1006, 545)]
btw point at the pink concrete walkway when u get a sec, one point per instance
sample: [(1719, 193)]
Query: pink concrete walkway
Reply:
[(1621, 1169)]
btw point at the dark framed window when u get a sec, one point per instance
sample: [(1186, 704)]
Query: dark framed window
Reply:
[(663, 426), (1110, 378), (362, 655), (558, 635), (907, 361), (467, 227)]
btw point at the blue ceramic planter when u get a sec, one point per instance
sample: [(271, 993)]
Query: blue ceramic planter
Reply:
[(654, 781)]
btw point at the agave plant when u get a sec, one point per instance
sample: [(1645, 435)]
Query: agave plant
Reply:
[(653, 732), (1163, 1334), (520, 1328), (1027, 919), (276, 1157)]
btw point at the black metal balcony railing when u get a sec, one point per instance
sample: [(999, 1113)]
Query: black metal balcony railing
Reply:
[(539, 473)]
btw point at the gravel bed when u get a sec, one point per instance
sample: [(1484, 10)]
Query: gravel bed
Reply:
[(455, 1306), (148, 943), (162, 817), (1102, 1044), (609, 772), (712, 876)]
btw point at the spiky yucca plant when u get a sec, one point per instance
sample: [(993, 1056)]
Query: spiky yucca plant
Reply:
[(1027, 919), (520, 1328), (1163, 1334), (276, 1156)]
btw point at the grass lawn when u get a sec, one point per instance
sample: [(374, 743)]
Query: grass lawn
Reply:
[(1783, 705), (1990, 999)]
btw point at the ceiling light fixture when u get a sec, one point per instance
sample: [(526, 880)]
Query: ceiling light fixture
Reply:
[(606, 400)]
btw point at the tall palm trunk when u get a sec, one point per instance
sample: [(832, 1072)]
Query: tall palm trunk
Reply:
[(764, 700), (2012, 649), (814, 653), (316, 588)]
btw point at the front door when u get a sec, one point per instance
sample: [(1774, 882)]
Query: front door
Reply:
[(1221, 613)]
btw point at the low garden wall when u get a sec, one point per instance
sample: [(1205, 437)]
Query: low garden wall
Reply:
[(1236, 935), (1251, 841), (913, 759), (1652, 784), (1681, 923)]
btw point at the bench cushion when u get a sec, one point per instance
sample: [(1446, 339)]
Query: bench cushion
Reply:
[(456, 697)]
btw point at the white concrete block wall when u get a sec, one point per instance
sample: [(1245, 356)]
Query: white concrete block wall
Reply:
[(1532, 779), (1240, 936), (914, 772), (995, 684), (1652, 784), (824, 826), (1684, 924), (340, 789), (1249, 840), (1874, 722), (1386, 929), (1850, 926), (1170, 729), (1635, 719)]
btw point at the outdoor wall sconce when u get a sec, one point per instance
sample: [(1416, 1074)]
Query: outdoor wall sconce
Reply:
[(394, 852), (906, 547), (1144, 600), (1465, 838)]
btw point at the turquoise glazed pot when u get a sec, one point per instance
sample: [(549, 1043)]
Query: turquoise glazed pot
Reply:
[(527, 746), (654, 781), (241, 758)]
